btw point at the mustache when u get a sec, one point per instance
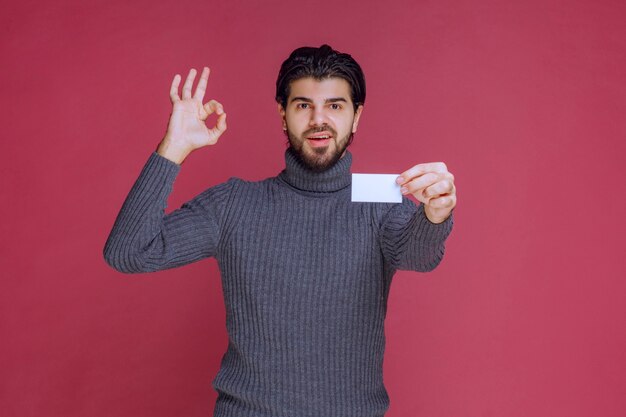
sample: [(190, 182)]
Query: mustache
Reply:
[(324, 128)]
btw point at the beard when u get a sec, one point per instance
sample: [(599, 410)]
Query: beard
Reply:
[(318, 159)]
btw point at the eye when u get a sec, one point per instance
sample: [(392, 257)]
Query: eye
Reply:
[(335, 106), (302, 105)]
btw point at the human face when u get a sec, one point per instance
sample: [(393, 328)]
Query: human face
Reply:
[(319, 120)]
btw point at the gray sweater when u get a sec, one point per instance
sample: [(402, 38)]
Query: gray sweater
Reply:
[(305, 273)]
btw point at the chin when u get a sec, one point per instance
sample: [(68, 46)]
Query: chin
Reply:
[(320, 159), (316, 159)]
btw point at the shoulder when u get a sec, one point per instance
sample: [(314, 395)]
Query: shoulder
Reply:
[(233, 190)]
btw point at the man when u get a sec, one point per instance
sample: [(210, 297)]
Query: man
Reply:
[(305, 272)]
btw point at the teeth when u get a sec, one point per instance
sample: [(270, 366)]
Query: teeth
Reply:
[(320, 137)]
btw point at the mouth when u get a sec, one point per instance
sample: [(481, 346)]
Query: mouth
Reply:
[(319, 139)]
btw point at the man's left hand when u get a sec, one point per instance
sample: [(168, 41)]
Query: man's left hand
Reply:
[(433, 185)]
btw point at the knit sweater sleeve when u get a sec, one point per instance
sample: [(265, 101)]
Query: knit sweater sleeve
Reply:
[(412, 242), (145, 239)]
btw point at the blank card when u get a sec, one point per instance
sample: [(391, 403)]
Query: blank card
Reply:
[(376, 188)]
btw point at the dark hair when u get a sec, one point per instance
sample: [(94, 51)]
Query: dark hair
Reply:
[(320, 63)]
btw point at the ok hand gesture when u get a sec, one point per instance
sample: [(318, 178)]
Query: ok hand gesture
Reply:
[(187, 130)]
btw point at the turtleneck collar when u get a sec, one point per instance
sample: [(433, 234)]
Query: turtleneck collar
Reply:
[(301, 177)]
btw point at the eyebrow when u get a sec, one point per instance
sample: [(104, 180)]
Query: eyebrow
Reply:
[(328, 100)]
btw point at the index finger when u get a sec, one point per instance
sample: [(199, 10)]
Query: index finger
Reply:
[(201, 88), (421, 169)]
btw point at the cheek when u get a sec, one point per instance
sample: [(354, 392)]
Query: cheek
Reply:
[(297, 122), (342, 124)]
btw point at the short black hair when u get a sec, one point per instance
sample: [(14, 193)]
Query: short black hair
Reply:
[(320, 63)]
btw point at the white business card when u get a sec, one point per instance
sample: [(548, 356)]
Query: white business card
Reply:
[(376, 188)]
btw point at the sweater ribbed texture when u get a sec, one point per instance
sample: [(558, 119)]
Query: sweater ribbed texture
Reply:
[(305, 273)]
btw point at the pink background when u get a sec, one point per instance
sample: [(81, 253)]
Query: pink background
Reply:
[(525, 101)]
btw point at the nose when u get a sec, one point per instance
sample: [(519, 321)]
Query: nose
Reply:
[(318, 116)]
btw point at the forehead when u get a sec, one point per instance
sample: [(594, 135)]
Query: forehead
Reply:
[(327, 88)]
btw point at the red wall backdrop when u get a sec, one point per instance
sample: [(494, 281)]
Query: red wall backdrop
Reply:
[(524, 101)]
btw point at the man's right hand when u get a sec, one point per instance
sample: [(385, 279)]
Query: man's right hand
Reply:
[(187, 130)]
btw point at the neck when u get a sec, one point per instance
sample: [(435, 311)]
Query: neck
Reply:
[(300, 176)]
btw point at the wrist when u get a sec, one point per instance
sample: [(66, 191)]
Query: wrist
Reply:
[(168, 150), (436, 218)]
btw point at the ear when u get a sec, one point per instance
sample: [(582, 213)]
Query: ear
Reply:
[(357, 115), (281, 111)]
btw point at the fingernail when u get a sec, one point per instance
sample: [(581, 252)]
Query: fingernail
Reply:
[(399, 180), (404, 190)]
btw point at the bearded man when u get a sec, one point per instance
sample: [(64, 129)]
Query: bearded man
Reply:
[(305, 271)]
